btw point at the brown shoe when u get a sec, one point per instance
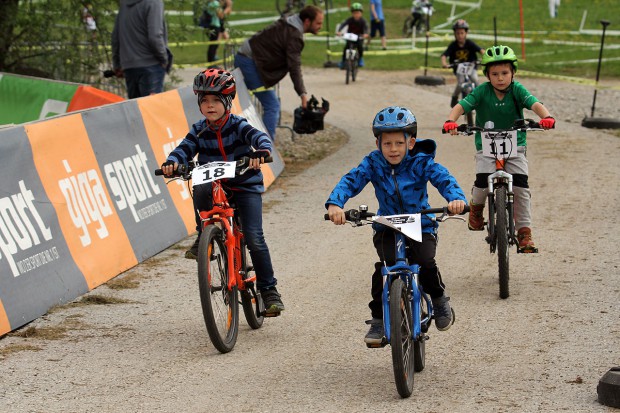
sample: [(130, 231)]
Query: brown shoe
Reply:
[(526, 244), (476, 220)]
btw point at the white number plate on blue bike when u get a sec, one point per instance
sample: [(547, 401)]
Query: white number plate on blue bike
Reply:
[(409, 224), (213, 171), (466, 69), (499, 145)]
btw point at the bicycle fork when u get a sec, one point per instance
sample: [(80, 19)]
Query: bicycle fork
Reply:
[(500, 178)]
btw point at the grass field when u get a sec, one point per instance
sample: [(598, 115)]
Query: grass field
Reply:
[(554, 46)]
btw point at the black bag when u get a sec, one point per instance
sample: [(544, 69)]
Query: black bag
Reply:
[(204, 20), (310, 120)]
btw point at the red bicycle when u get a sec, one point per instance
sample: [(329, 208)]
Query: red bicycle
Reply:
[(224, 271)]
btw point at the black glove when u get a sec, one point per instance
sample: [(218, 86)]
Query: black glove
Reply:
[(166, 164), (259, 154)]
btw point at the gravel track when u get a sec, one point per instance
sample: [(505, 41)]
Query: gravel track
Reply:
[(543, 349)]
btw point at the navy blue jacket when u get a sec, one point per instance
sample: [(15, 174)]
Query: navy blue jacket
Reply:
[(400, 189), (228, 143)]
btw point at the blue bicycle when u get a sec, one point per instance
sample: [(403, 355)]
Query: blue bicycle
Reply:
[(407, 310)]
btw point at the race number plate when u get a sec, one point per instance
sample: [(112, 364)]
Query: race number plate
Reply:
[(499, 145), (409, 224), (213, 171), (465, 69)]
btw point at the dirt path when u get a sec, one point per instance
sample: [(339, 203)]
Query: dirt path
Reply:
[(544, 349)]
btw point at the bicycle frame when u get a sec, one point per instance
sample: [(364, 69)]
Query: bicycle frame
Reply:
[(496, 179), (224, 214), (409, 275)]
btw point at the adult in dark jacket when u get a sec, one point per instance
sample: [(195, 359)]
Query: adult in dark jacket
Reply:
[(140, 46), (266, 57)]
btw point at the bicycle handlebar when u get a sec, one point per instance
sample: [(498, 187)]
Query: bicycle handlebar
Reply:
[(184, 170), (357, 216), (519, 125)]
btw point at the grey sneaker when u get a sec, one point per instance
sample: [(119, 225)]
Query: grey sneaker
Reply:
[(273, 302), (192, 253), (442, 313), (375, 333)]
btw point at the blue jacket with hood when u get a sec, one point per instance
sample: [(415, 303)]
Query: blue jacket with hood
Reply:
[(400, 189)]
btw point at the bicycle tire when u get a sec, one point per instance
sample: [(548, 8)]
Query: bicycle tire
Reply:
[(220, 306), (354, 67), (407, 30), (348, 70), (501, 227), (401, 339), (419, 345), (251, 300)]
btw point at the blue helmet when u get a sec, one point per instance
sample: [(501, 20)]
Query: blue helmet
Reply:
[(395, 118)]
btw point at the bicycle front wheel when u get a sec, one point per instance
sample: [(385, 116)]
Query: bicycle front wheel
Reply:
[(401, 339), (220, 306), (251, 301), (348, 66), (354, 67), (501, 228), (419, 345)]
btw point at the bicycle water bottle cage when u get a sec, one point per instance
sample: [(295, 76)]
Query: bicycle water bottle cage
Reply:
[(310, 120)]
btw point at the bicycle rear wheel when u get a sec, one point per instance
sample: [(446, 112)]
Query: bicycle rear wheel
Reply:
[(220, 306), (501, 228), (251, 301), (419, 345), (401, 339)]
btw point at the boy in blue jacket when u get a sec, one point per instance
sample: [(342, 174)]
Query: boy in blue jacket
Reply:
[(223, 136), (399, 171)]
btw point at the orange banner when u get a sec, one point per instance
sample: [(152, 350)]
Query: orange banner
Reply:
[(74, 184)]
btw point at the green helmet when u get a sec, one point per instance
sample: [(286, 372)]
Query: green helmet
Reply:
[(498, 54), (357, 7)]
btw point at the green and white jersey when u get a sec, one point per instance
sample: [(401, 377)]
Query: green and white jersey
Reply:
[(502, 112)]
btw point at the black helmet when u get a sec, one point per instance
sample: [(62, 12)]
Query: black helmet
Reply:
[(460, 24)]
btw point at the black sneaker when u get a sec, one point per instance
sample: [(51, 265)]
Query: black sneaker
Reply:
[(375, 333), (192, 253), (272, 301), (442, 313)]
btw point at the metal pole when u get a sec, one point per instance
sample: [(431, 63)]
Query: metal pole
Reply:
[(495, 30), (605, 23), (428, 29)]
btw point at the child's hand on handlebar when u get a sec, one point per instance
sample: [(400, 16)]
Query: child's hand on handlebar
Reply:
[(257, 158), (547, 123), (450, 127), (456, 207), (336, 214), (168, 168)]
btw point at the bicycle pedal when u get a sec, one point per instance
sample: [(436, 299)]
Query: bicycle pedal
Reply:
[(378, 345), (527, 251)]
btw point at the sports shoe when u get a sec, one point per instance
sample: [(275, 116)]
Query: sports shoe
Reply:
[(526, 244), (192, 253), (476, 220), (442, 313), (375, 333), (360, 63), (272, 301)]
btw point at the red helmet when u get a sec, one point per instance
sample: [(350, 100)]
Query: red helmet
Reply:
[(217, 82)]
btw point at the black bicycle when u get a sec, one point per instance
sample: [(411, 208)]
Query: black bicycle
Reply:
[(351, 56), (465, 78)]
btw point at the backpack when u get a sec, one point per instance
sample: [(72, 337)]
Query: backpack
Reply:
[(204, 20)]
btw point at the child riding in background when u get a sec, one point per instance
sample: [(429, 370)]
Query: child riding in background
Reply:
[(223, 136), (501, 100), (400, 170), (355, 24), (460, 50)]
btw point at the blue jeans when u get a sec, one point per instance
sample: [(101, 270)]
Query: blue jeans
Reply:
[(250, 213), (144, 81), (268, 99)]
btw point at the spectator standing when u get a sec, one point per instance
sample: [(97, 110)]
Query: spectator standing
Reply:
[(227, 6), (140, 46), (377, 22), (266, 57), (214, 9)]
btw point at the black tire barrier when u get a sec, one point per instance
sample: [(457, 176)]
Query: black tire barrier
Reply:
[(600, 123), (430, 80), (608, 388)]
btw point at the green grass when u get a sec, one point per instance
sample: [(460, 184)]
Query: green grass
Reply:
[(553, 59)]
